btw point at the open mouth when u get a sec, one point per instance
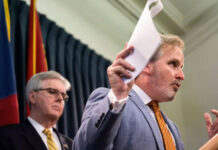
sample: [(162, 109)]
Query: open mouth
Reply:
[(176, 86)]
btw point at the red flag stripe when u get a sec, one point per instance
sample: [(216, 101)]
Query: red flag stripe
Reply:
[(36, 54), (8, 110)]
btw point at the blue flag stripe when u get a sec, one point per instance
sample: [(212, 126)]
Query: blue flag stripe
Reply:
[(7, 75)]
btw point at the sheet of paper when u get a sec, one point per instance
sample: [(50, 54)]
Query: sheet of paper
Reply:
[(145, 38)]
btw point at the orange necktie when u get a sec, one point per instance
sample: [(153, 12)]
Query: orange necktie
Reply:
[(167, 137)]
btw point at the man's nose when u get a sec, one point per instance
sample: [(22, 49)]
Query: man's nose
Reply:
[(180, 74), (59, 97)]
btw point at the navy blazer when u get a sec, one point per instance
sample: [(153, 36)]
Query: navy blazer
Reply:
[(131, 129), (24, 137)]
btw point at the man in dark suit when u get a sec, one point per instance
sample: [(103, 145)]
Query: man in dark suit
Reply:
[(46, 95)]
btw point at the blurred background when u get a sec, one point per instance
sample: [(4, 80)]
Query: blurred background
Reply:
[(106, 25)]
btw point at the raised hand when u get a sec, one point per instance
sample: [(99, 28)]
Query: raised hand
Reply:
[(212, 127), (119, 69)]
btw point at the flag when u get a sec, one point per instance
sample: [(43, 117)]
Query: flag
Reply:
[(36, 53), (9, 112)]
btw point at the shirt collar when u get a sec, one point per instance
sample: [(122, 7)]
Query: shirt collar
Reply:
[(39, 128), (143, 96)]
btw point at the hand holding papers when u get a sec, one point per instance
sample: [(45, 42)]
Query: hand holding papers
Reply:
[(145, 38)]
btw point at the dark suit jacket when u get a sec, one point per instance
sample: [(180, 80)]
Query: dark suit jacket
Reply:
[(24, 137), (131, 129)]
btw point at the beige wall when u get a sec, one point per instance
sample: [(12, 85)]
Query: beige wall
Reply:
[(199, 90)]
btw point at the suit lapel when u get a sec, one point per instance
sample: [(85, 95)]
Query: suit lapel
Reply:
[(60, 139), (32, 136), (145, 111), (63, 142)]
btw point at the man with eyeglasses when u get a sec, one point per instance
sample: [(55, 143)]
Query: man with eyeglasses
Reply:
[(46, 95)]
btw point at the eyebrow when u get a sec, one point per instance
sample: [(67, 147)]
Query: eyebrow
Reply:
[(177, 61)]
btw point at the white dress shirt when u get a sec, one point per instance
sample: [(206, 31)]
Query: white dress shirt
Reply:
[(39, 128), (118, 105)]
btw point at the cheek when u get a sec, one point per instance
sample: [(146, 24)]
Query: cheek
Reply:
[(167, 73), (164, 77), (161, 75), (62, 107), (41, 102), (47, 105)]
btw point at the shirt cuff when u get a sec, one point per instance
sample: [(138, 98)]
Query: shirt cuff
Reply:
[(116, 105)]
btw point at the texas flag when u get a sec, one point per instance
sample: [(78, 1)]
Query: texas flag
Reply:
[(9, 112), (37, 61)]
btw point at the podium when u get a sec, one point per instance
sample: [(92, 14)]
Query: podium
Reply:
[(212, 144)]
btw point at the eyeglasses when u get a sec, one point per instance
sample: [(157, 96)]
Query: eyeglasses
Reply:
[(54, 92)]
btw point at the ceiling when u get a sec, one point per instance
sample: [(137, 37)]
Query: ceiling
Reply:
[(193, 20), (177, 15)]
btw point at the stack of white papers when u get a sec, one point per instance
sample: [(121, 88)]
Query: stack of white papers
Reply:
[(145, 38)]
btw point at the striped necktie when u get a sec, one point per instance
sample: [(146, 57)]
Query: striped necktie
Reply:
[(167, 137), (50, 141)]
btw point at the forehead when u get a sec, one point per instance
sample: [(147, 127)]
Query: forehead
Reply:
[(52, 83), (172, 52)]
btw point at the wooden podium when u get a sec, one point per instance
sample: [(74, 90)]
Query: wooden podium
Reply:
[(212, 144)]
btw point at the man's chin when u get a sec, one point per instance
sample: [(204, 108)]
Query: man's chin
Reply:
[(168, 96), (54, 116), (171, 96)]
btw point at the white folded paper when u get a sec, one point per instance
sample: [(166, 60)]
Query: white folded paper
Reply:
[(145, 38)]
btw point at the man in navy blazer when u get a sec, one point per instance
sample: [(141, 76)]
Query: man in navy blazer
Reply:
[(24, 136), (46, 95), (120, 118)]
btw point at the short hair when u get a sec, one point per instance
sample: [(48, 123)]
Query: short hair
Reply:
[(36, 80), (167, 39)]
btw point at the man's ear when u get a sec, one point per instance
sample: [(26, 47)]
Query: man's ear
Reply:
[(148, 69), (32, 96)]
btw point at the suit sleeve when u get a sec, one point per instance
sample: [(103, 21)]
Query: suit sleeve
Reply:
[(99, 125), (6, 133), (4, 140)]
